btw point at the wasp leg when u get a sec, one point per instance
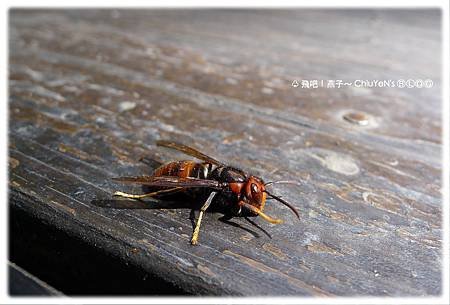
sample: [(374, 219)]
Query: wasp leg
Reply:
[(133, 196), (263, 216), (194, 238)]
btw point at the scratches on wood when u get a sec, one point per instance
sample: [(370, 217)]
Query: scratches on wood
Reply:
[(275, 251), (263, 268)]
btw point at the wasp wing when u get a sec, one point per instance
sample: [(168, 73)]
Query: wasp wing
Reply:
[(189, 151), (170, 181)]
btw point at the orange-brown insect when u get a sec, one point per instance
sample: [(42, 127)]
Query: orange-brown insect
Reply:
[(242, 194)]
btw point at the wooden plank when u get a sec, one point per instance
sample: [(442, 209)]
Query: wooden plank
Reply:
[(22, 283), (91, 91)]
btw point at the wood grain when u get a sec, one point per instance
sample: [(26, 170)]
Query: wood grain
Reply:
[(90, 91)]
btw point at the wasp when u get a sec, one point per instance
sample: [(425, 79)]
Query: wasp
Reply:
[(240, 193)]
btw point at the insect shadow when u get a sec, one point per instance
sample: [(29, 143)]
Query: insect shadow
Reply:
[(151, 204)]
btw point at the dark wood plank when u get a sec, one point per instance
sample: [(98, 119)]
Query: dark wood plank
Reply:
[(91, 91), (22, 283)]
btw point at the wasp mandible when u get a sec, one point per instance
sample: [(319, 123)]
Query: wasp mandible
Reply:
[(240, 193)]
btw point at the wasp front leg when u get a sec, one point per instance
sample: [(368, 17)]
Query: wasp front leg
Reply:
[(261, 214), (194, 238)]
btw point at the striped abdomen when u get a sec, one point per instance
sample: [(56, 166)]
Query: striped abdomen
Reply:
[(184, 169)]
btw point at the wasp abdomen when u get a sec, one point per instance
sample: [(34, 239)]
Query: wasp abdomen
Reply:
[(184, 169)]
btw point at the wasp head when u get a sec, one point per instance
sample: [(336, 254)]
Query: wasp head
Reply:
[(255, 192)]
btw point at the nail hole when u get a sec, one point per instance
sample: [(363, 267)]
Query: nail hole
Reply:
[(357, 118)]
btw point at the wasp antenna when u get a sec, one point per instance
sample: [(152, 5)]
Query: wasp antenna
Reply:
[(271, 198), (283, 202), (284, 182), (268, 183)]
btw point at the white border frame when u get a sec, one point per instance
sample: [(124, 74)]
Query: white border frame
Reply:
[(443, 299)]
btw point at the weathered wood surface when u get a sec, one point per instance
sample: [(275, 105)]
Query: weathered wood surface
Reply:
[(90, 91)]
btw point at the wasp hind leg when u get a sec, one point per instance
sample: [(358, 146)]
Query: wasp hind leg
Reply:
[(136, 196), (194, 238)]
